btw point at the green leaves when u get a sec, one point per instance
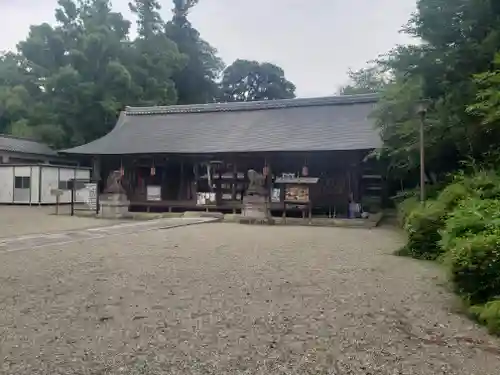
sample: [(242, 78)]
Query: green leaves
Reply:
[(372, 79), (69, 81), (487, 104), (196, 81), (453, 68), (246, 80)]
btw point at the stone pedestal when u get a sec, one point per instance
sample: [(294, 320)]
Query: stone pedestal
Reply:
[(113, 206), (256, 209)]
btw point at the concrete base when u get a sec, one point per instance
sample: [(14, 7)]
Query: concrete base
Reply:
[(368, 223), (256, 210), (114, 206)]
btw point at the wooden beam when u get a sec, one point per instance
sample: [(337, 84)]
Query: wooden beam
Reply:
[(182, 194)]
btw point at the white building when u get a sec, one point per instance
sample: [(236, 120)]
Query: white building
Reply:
[(30, 171)]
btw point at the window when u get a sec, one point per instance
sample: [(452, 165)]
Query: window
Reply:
[(22, 182), (64, 185)]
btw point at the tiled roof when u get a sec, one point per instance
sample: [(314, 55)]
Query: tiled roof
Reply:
[(23, 145), (316, 124)]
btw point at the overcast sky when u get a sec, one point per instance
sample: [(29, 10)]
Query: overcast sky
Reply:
[(315, 41)]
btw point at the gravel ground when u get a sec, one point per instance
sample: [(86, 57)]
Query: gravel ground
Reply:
[(20, 220), (234, 299)]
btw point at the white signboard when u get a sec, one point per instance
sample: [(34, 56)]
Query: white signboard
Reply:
[(87, 195), (153, 193), (91, 195), (205, 198)]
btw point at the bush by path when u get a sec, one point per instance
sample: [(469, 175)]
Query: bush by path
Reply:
[(462, 227)]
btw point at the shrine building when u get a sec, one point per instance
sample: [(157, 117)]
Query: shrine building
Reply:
[(312, 152)]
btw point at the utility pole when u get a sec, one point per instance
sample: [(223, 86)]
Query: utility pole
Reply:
[(422, 112)]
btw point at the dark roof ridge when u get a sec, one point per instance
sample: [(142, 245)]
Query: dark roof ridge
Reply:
[(252, 106)]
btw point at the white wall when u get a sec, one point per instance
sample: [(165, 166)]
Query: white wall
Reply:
[(66, 174), (6, 184), (35, 184), (51, 177), (42, 178), (49, 181), (83, 174)]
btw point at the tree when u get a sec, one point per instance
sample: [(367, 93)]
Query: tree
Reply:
[(81, 72), (459, 40), (487, 103), (77, 66), (156, 58), (372, 79), (149, 21), (246, 80), (181, 10), (196, 82)]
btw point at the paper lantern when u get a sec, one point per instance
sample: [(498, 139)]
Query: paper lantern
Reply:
[(153, 171), (265, 171), (305, 171)]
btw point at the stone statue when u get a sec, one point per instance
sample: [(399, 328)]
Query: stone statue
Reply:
[(113, 183), (256, 206), (256, 185), (114, 203)]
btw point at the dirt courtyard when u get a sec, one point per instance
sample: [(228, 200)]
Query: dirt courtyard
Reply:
[(233, 299)]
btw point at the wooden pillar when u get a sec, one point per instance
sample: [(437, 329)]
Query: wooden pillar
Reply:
[(196, 179), (218, 187), (96, 168), (182, 193), (269, 180), (235, 181), (235, 184)]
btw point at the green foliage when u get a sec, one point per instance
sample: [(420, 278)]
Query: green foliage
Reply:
[(408, 200), (196, 82), (68, 82), (372, 79), (457, 68), (484, 184), (488, 95), (489, 315), (454, 49), (246, 80), (462, 228), (471, 217), (453, 194), (405, 208), (474, 264), (423, 225)]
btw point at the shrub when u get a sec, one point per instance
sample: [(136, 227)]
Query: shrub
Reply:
[(423, 226), (453, 194), (470, 217), (475, 266), (405, 208), (489, 315), (483, 184)]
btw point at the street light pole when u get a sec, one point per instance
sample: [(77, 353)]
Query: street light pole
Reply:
[(422, 111), (422, 158)]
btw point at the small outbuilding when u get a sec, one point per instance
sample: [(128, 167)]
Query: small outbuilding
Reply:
[(30, 171)]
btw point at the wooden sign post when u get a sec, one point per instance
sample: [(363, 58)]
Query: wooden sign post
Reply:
[(57, 193)]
